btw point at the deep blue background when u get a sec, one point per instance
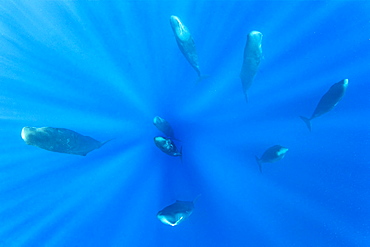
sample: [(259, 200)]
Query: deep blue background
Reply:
[(106, 68)]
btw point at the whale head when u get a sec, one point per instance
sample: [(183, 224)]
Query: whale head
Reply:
[(175, 22), (161, 141), (171, 219), (35, 136), (345, 83), (28, 134), (255, 37), (178, 28), (164, 144), (282, 151), (158, 121), (176, 213)]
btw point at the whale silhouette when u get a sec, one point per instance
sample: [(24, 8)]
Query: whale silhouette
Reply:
[(271, 155), (328, 101), (60, 140), (186, 43), (177, 212), (164, 127), (167, 146), (251, 61)]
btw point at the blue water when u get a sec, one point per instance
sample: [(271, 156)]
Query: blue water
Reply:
[(106, 68)]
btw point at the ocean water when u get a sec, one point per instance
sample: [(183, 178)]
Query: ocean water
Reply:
[(106, 68)]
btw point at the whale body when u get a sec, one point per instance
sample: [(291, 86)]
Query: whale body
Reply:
[(328, 101), (251, 61), (167, 146), (176, 213), (185, 42), (60, 140), (164, 127), (271, 155)]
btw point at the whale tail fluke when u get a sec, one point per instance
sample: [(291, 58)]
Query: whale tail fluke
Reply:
[(201, 78), (181, 154), (307, 121), (104, 142), (259, 163), (246, 97), (175, 139)]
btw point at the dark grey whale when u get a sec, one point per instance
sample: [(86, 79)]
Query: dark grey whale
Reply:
[(164, 127), (271, 155), (251, 61), (177, 212), (167, 146), (327, 102), (60, 140), (185, 42)]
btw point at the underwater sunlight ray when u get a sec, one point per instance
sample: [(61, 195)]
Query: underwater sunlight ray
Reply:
[(105, 69)]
